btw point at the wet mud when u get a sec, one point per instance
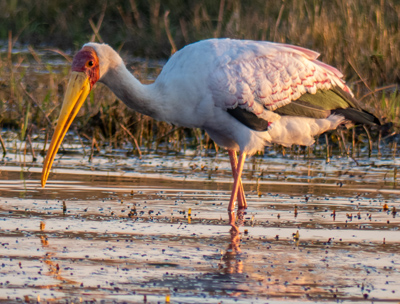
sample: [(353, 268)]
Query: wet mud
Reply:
[(155, 230)]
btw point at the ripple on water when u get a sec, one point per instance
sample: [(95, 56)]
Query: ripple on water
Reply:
[(118, 230)]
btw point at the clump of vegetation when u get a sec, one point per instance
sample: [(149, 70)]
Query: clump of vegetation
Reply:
[(360, 37)]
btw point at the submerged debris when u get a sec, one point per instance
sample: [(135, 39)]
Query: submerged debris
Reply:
[(333, 214)]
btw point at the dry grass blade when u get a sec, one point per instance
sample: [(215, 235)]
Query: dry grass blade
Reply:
[(93, 145), (369, 140), (169, 35), (96, 28), (220, 17), (133, 138), (136, 14), (362, 79), (96, 32), (3, 145), (31, 146), (378, 90), (278, 20), (10, 45), (33, 99), (68, 58), (34, 54)]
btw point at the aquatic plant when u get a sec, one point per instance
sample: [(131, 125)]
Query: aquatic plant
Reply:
[(361, 38)]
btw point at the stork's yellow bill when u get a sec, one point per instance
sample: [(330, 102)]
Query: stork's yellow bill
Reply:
[(77, 91)]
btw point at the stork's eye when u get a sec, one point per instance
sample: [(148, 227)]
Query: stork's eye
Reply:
[(90, 63)]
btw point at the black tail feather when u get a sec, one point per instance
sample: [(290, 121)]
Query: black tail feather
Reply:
[(358, 116)]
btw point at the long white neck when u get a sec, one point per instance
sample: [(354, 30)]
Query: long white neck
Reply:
[(142, 98)]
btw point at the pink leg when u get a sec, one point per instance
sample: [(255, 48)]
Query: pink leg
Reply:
[(235, 190), (242, 204)]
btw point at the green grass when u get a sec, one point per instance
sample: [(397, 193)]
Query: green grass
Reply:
[(360, 37)]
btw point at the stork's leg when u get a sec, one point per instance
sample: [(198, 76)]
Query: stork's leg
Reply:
[(242, 204), (235, 189)]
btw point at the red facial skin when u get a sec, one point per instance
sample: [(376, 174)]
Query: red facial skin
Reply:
[(86, 61)]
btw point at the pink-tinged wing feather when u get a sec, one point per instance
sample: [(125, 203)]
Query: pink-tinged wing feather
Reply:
[(270, 76), (309, 54)]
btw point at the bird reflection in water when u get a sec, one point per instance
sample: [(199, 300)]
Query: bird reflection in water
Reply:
[(231, 259), (231, 262), (54, 270)]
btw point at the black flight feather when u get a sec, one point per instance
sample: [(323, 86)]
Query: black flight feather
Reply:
[(358, 116), (322, 104)]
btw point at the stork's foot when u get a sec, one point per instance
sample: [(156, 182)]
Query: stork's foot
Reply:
[(242, 203)]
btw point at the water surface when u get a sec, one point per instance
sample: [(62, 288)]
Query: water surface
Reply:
[(117, 229)]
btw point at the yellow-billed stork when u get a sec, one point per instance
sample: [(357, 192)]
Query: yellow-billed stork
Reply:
[(245, 94)]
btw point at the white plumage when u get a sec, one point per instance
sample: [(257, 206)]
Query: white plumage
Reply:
[(201, 83), (202, 80)]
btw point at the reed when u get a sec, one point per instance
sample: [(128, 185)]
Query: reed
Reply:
[(360, 37)]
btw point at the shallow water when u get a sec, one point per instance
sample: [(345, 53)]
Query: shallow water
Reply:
[(117, 229)]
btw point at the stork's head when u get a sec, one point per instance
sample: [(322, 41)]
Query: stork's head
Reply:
[(86, 61), (90, 65)]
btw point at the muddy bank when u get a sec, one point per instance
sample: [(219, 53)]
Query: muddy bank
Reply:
[(126, 236)]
